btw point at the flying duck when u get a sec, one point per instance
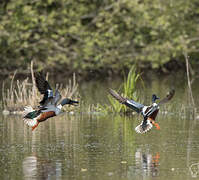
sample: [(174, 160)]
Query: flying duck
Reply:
[(49, 105), (149, 113)]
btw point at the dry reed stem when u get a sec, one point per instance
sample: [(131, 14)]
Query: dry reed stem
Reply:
[(188, 79), (23, 93)]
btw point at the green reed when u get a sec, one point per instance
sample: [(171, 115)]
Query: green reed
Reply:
[(127, 89)]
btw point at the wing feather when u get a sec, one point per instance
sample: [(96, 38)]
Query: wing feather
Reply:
[(117, 96), (44, 88), (41, 83), (130, 103), (168, 97), (57, 97)]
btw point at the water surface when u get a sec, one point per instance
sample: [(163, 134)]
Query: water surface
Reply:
[(98, 146)]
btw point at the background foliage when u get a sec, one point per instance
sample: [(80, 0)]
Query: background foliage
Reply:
[(98, 35)]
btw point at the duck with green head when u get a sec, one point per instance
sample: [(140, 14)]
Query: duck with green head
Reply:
[(149, 113), (49, 106)]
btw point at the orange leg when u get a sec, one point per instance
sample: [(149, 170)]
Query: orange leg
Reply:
[(157, 156), (155, 124), (155, 159), (35, 126)]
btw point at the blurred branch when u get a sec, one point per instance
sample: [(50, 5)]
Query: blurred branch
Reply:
[(194, 39)]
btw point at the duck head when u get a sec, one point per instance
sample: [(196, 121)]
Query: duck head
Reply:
[(154, 98), (68, 101)]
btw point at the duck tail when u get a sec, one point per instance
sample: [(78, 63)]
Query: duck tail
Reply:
[(117, 96), (144, 127)]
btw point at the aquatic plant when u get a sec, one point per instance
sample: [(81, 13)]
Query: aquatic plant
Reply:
[(128, 89), (22, 93), (19, 94)]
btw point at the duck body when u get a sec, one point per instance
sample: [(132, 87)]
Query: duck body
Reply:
[(34, 117), (49, 106), (149, 113)]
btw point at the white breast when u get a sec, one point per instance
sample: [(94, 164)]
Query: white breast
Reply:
[(144, 110), (58, 109)]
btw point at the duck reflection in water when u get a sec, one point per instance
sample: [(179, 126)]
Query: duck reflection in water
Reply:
[(36, 168), (146, 163)]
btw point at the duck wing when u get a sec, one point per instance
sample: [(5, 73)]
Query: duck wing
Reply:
[(43, 87), (130, 103), (168, 97), (50, 101), (57, 97)]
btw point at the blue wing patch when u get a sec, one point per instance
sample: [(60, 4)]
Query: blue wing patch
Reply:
[(134, 105)]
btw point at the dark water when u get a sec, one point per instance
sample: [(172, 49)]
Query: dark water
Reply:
[(97, 146)]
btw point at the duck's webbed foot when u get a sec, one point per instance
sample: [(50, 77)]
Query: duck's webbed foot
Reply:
[(155, 124)]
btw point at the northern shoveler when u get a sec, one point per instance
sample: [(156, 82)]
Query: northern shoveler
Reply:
[(49, 106), (148, 112)]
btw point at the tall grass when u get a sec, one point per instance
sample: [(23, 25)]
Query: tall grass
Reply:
[(20, 94), (128, 89), (23, 93)]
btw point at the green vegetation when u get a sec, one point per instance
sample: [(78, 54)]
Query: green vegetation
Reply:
[(97, 35), (128, 90)]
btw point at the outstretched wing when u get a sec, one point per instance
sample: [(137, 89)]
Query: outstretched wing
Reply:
[(134, 105), (41, 83), (43, 87), (130, 103), (168, 97)]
